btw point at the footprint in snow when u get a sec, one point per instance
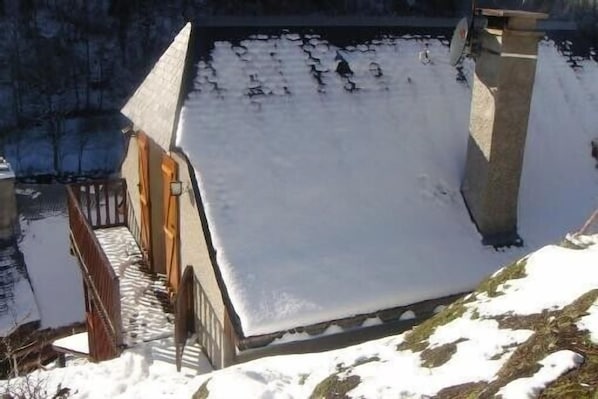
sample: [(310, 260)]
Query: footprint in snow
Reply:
[(437, 191)]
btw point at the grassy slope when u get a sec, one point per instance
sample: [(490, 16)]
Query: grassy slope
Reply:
[(554, 331)]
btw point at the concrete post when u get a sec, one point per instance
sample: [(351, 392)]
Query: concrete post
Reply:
[(8, 201), (502, 92)]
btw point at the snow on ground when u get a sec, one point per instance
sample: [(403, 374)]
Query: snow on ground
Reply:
[(54, 273), (147, 371), (546, 273), (590, 322), (482, 348), (478, 347), (323, 202), (553, 366)]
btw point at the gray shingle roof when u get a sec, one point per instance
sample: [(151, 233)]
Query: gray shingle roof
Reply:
[(153, 107)]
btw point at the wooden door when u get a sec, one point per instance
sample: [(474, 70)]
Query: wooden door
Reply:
[(144, 198), (171, 223)]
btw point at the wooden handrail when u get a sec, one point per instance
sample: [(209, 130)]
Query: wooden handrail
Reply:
[(102, 202), (183, 314), (99, 274)]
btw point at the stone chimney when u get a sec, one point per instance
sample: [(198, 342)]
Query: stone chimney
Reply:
[(507, 49), (8, 201)]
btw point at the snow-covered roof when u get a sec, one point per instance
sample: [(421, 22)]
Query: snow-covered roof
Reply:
[(18, 305), (6, 171), (329, 196)]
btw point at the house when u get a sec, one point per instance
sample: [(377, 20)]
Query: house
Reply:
[(283, 200)]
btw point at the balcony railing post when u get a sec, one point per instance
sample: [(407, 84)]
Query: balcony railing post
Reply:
[(107, 189), (125, 196), (117, 314), (96, 194)]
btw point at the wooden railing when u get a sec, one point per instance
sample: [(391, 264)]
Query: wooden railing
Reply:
[(102, 282), (103, 203), (183, 322)]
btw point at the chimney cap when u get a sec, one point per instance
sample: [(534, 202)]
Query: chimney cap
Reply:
[(492, 12), (6, 171)]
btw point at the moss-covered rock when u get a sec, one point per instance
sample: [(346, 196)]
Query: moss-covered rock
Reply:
[(335, 387)]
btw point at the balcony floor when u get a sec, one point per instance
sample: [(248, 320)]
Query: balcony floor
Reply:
[(146, 312)]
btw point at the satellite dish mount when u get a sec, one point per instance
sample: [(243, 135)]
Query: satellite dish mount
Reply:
[(464, 41)]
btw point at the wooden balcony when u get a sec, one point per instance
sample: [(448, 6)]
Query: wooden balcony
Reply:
[(125, 303)]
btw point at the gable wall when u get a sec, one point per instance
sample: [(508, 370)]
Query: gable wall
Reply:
[(211, 322), (210, 318), (153, 106)]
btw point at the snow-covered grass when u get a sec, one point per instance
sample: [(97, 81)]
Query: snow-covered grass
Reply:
[(553, 366), (461, 352), (324, 202)]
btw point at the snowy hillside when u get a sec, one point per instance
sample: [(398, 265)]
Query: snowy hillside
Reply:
[(531, 328), (519, 333)]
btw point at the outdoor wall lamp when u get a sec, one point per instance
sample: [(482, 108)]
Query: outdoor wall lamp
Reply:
[(128, 130), (176, 188)]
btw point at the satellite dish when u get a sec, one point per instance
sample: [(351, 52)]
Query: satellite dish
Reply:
[(459, 41)]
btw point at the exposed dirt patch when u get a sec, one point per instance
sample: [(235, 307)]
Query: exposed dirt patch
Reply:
[(505, 349), (527, 322), (333, 387), (302, 378), (417, 339), (202, 392), (491, 284), (554, 331), (364, 360), (571, 245), (581, 383), (470, 390), (435, 357)]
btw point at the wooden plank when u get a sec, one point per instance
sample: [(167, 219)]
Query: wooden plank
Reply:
[(170, 225), (96, 193), (144, 197), (116, 208), (87, 202), (183, 324), (107, 190)]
